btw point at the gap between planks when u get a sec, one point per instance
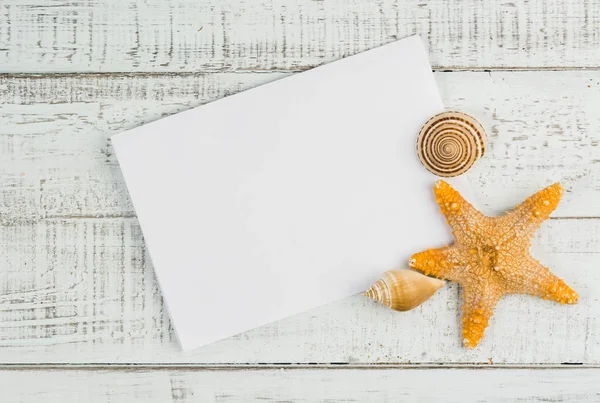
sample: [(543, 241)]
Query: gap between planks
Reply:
[(133, 215), (442, 69), (133, 367)]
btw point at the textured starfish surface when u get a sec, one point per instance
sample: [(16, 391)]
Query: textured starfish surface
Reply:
[(490, 257)]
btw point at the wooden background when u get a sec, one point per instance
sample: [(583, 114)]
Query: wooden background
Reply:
[(81, 316)]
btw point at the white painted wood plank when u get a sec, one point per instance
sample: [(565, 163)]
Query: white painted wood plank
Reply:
[(57, 159), (76, 288), (192, 35), (301, 385), (83, 290)]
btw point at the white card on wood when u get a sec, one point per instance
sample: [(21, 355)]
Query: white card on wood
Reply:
[(291, 195)]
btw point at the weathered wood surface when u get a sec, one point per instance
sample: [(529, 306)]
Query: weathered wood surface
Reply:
[(57, 160), (302, 385), (77, 285), (83, 290), (191, 35)]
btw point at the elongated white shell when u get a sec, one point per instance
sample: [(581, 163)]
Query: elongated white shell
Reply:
[(403, 290), (450, 143)]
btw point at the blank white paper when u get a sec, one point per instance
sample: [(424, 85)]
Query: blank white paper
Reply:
[(288, 196)]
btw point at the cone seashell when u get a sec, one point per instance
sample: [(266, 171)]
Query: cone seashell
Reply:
[(450, 143), (403, 290)]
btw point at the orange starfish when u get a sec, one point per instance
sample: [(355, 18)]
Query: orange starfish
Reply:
[(490, 257)]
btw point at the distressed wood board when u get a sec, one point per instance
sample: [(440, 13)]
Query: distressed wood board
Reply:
[(455, 385), (190, 35), (57, 160)]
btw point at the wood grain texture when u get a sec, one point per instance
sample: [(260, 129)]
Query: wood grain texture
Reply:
[(303, 385), (76, 282), (83, 291), (191, 35), (77, 285), (57, 160)]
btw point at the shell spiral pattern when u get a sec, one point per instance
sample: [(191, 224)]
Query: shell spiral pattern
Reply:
[(450, 143)]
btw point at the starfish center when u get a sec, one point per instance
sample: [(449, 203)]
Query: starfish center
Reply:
[(490, 258)]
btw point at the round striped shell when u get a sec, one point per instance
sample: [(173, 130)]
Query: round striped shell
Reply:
[(450, 143)]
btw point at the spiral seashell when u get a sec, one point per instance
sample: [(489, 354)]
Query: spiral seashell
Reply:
[(450, 143), (403, 290)]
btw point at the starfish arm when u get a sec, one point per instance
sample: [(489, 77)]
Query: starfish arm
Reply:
[(527, 217), (479, 302), (441, 263), (534, 279), (465, 221)]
